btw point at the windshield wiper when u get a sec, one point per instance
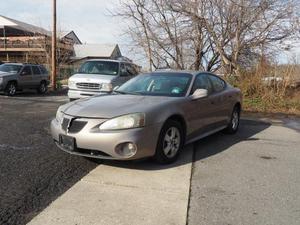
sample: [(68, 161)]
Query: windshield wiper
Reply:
[(127, 93), (120, 92)]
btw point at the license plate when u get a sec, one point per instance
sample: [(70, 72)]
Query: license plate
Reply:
[(67, 142)]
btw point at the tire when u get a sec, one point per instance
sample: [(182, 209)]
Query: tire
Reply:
[(234, 123), (42, 89), (170, 142), (11, 88)]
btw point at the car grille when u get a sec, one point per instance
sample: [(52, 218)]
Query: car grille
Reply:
[(75, 125), (65, 124), (93, 86)]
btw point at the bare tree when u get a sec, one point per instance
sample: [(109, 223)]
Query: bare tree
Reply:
[(168, 37), (237, 26), (207, 34)]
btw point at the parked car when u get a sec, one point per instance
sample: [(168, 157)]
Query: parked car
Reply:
[(152, 115), (19, 76), (99, 76)]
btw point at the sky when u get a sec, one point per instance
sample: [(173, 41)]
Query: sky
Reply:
[(90, 20)]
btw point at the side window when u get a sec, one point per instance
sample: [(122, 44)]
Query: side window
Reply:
[(130, 70), (36, 70), (123, 70), (218, 84), (43, 70), (26, 71), (134, 69), (202, 82)]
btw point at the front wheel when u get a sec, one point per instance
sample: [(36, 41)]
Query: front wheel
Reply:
[(234, 123), (170, 143)]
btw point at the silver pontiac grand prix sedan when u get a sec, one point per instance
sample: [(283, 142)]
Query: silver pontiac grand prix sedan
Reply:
[(151, 115)]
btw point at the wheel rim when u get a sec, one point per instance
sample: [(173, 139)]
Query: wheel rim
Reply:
[(12, 89), (235, 120), (171, 143), (43, 88)]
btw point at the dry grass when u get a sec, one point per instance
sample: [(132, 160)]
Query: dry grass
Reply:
[(272, 96)]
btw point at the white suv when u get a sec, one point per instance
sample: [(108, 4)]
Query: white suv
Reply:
[(99, 76)]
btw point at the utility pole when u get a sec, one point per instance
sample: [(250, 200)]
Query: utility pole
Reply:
[(53, 75)]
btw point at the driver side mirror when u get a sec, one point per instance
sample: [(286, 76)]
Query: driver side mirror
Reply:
[(23, 73), (199, 93)]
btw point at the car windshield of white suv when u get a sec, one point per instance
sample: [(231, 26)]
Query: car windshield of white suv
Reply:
[(100, 67), (166, 84), (10, 68)]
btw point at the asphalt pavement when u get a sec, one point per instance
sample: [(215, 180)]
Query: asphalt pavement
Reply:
[(252, 177), (33, 172)]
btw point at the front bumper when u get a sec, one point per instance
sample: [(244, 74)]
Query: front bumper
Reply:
[(76, 94), (94, 143), (3, 85)]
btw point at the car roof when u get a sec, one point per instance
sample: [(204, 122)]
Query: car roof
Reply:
[(21, 64)]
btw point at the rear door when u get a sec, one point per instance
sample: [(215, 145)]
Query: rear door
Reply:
[(36, 76), (219, 100), (25, 77)]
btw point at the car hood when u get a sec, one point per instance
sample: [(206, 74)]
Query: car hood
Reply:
[(4, 74), (92, 78), (109, 106)]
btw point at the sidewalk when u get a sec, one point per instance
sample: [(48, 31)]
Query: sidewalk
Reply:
[(125, 193)]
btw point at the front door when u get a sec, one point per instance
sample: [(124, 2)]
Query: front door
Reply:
[(201, 112), (25, 77)]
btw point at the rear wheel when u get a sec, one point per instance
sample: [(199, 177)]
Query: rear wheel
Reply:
[(11, 89), (234, 123), (170, 142), (42, 89)]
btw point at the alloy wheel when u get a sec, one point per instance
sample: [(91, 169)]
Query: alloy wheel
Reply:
[(171, 143), (11, 89), (235, 120)]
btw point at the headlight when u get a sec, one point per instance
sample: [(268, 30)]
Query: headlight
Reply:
[(1, 80), (124, 122), (59, 115), (71, 83), (106, 87)]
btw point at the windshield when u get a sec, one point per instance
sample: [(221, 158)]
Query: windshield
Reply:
[(100, 67), (9, 68), (158, 84)]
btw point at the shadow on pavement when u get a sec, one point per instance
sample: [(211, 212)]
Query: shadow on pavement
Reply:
[(212, 145)]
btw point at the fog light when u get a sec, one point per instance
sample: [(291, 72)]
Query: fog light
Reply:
[(126, 149)]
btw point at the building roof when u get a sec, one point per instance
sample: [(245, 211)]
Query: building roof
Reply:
[(8, 22), (71, 35), (95, 50)]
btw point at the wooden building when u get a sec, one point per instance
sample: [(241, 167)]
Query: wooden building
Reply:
[(22, 42)]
